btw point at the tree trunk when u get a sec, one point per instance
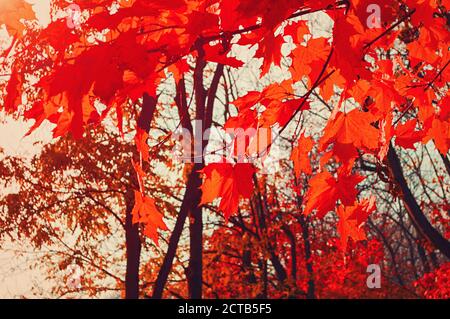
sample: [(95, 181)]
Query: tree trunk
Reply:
[(133, 247), (293, 245), (303, 221), (418, 218), (390, 251), (309, 267), (446, 162), (132, 237), (148, 110), (195, 268), (261, 206), (247, 263), (188, 199), (192, 196), (423, 259)]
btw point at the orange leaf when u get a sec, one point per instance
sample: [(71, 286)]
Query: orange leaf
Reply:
[(406, 135), (146, 213), (228, 182), (347, 227), (300, 156), (12, 11), (351, 128), (141, 144), (324, 190)]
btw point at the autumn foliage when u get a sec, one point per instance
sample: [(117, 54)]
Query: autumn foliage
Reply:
[(352, 108)]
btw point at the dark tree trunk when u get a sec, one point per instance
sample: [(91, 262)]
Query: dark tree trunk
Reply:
[(247, 263), (446, 162), (195, 268), (133, 247), (132, 237), (188, 199), (303, 221), (293, 245), (261, 206), (189, 207), (148, 110), (309, 267), (423, 258), (418, 218), (265, 289), (390, 251)]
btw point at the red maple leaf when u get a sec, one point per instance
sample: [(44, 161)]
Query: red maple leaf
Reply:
[(145, 212), (406, 135), (324, 190), (348, 227), (228, 182), (351, 128), (300, 157)]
